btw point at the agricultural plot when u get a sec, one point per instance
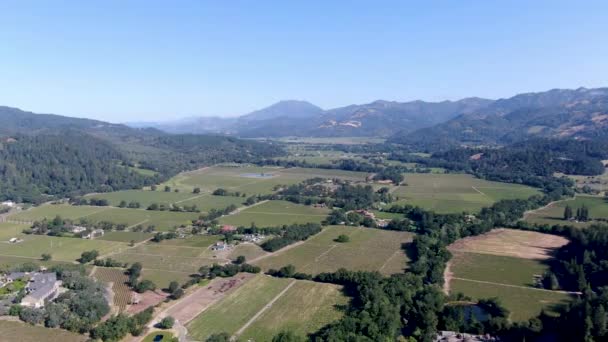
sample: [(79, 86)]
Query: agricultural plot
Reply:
[(453, 193), (237, 308), (507, 264), (18, 331), (554, 213), (327, 173), (368, 249), (50, 211), (249, 250), (265, 306), (125, 236), (276, 213), (163, 220), (118, 278), (60, 248), (144, 197), (207, 202), (523, 303), (11, 230), (184, 256), (162, 278), (304, 308)]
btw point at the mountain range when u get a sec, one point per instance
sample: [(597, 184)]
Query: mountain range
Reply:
[(301, 118), (573, 113)]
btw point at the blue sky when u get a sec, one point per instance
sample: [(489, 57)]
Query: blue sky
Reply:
[(154, 60)]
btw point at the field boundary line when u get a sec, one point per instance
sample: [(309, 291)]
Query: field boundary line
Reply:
[(474, 188), (259, 313), (389, 259), (280, 251), (325, 253), (137, 224), (282, 214), (517, 286), (95, 212), (192, 198), (547, 206)]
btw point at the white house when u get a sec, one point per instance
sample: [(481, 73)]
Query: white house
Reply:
[(42, 287), (9, 204)]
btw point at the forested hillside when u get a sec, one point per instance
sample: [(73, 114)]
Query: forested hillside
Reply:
[(45, 156), (558, 113), (62, 164)]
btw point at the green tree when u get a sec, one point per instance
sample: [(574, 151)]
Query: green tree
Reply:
[(342, 238), (166, 323), (46, 257), (287, 336), (567, 213), (240, 260)]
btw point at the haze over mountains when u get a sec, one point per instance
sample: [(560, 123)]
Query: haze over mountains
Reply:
[(561, 113), (579, 113)]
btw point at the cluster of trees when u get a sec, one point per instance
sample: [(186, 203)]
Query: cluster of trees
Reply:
[(349, 218), (109, 262), (217, 213), (224, 192), (98, 202), (227, 270), (117, 327), (392, 173), (173, 207), (582, 214), (131, 204), (134, 272), (291, 234), (88, 256), (76, 310), (160, 236)]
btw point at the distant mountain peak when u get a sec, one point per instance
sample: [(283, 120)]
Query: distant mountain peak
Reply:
[(285, 108)]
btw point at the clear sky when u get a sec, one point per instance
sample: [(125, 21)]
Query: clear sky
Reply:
[(151, 60)]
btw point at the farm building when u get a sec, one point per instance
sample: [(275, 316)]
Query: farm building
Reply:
[(95, 233), (78, 229), (227, 228), (9, 204), (41, 287), (220, 246)]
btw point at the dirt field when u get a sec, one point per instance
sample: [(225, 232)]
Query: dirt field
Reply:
[(510, 242), (147, 299), (192, 305)]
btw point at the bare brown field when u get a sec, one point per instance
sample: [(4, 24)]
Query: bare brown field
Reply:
[(511, 242), (149, 298), (193, 304)]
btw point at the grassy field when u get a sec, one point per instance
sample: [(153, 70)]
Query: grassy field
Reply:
[(61, 249), (276, 213), (497, 268), (303, 309), (162, 278), (166, 336), (237, 308), (184, 256), (368, 249), (163, 220), (11, 230), (452, 193), (503, 263), (50, 211), (125, 236), (144, 197), (17, 331), (523, 303), (118, 278), (598, 208)]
